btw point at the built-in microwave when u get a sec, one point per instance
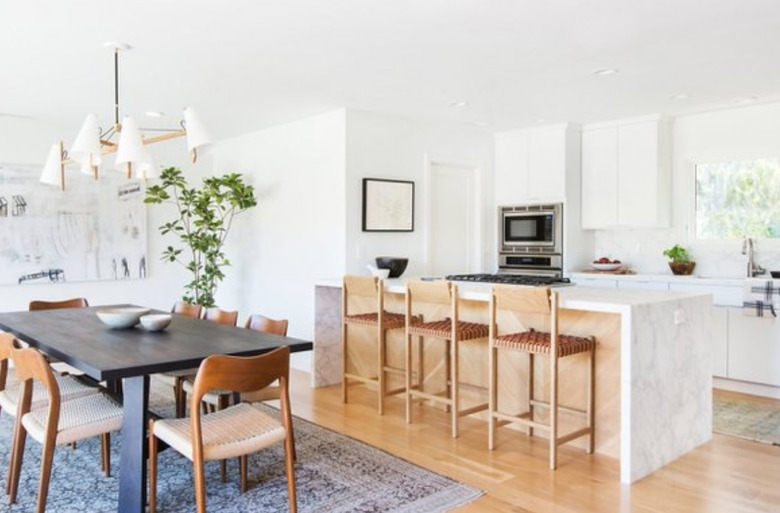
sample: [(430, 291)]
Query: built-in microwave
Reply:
[(531, 227)]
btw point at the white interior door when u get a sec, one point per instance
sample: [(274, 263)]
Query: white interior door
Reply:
[(453, 242)]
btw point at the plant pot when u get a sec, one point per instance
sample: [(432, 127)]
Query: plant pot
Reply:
[(682, 268)]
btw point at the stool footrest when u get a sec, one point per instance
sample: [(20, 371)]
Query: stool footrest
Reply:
[(571, 436), (396, 391), (561, 409), (473, 409), (522, 418), (432, 397), (362, 379)]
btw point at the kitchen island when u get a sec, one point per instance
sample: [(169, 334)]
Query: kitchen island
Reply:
[(653, 364)]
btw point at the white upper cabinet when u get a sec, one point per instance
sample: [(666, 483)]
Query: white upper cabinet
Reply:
[(626, 174), (531, 165)]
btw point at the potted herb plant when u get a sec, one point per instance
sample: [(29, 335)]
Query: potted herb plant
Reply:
[(203, 219), (680, 260)]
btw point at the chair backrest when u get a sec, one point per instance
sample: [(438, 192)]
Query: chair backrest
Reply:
[(440, 291), (221, 316), (239, 374), (522, 299), (267, 325), (78, 302), (7, 343), (31, 366), (187, 310), (362, 287)]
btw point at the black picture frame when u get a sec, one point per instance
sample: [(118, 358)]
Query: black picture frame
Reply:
[(388, 205)]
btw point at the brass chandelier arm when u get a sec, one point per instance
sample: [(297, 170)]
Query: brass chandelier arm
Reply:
[(110, 147)]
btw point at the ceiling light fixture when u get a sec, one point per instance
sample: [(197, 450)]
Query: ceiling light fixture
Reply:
[(92, 142), (459, 105), (603, 72)]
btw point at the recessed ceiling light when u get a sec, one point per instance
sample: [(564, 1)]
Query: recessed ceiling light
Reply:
[(459, 105), (678, 97), (154, 114), (603, 72), (745, 100)]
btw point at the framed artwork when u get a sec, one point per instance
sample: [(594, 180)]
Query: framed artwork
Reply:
[(388, 205), (94, 231)]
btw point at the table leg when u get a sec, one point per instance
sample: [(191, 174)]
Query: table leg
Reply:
[(132, 473)]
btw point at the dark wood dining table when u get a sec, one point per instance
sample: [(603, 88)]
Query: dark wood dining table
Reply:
[(77, 337)]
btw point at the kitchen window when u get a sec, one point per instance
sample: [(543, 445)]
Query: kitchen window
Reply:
[(738, 199)]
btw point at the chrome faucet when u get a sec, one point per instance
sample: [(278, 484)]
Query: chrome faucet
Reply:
[(753, 269)]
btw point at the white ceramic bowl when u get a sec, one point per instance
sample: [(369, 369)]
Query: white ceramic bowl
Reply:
[(382, 274), (606, 267), (155, 322), (120, 318)]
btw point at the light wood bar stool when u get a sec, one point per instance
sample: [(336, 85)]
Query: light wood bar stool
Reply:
[(371, 289), (452, 331), (538, 300)]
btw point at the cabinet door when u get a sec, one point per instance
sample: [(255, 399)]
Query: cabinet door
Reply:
[(511, 168), (546, 164), (638, 175), (753, 348), (599, 178)]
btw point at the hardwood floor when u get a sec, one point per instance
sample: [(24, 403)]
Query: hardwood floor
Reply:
[(727, 475)]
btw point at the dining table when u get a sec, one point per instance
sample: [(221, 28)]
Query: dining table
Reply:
[(78, 338)]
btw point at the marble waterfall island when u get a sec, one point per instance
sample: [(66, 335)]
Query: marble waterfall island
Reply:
[(653, 364)]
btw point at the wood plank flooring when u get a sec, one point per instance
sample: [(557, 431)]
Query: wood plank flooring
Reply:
[(726, 475)]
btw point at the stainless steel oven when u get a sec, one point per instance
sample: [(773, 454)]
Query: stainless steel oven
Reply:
[(531, 239)]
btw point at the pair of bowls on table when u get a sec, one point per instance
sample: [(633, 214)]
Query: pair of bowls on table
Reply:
[(122, 318)]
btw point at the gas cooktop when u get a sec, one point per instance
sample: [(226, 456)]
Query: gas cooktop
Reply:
[(511, 279)]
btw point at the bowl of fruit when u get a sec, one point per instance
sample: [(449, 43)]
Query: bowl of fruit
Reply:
[(605, 264)]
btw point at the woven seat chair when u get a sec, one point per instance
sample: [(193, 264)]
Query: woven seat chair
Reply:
[(538, 300), (40, 305), (236, 431), (220, 399), (370, 289), (60, 422), (452, 331)]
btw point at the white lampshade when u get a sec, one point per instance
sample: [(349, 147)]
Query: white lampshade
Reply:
[(147, 170), (198, 138), (86, 148), (52, 171), (131, 148)]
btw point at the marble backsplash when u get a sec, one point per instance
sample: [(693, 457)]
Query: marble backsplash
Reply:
[(643, 251)]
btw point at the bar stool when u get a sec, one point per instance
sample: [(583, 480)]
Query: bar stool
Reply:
[(538, 300), (372, 289), (452, 331)]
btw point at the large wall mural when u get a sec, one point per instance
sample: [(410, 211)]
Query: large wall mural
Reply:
[(92, 231)]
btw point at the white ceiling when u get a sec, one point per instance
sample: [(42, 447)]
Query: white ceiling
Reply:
[(247, 64)]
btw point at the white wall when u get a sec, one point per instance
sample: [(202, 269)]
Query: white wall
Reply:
[(295, 235), (734, 134), (380, 146), (28, 142)]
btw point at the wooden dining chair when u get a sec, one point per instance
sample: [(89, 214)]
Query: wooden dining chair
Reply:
[(187, 309), (221, 316), (78, 302), (70, 387), (220, 399), (60, 422), (238, 430)]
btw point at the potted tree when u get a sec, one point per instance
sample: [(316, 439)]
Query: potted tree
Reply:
[(203, 220), (680, 260)]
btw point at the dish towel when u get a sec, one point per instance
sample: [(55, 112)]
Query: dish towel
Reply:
[(759, 297)]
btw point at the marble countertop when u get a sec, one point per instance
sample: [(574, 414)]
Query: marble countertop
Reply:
[(664, 278), (576, 297)]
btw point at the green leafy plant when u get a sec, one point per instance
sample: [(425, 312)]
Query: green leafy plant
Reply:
[(678, 254), (205, 216)]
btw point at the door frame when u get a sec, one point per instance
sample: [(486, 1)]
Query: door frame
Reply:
[(475, 258)]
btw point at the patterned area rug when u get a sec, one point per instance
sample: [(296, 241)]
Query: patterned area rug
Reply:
[(746, 419), (334, 473)]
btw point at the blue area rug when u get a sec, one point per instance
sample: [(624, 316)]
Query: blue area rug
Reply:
[(334, 473)]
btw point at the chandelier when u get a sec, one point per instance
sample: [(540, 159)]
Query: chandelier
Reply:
[(125, 139)]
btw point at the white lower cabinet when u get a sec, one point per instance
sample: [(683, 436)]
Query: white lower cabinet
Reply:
[(753, 348)]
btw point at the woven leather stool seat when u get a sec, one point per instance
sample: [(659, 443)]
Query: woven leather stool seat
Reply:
[(538, 342), (443, 329), (389, 319)]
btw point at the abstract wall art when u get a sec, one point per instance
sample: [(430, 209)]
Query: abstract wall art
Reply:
[(388, 205), (92, 231)]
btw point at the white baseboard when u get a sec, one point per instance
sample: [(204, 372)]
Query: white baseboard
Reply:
[(743, 387)]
